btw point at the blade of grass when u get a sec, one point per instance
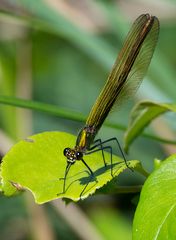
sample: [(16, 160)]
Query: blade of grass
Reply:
[(67, 114)]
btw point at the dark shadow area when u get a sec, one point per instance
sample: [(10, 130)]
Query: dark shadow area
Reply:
[(89, 179), (98, 172)]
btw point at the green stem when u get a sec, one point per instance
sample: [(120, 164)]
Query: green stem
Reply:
[(42, 107), (139, 168), (67, 114)]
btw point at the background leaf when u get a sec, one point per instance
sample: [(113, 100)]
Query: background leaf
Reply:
[(155, 217), (142, 114)]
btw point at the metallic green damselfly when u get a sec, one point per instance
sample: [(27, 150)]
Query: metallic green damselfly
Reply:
[(123, 81)]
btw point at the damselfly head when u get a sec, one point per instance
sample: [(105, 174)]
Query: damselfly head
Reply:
[(72, 155)]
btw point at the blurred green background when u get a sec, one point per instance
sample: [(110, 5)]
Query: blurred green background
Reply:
[(60, 52)]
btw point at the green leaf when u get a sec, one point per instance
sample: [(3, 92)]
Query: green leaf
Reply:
[(155, 217), (142, 114), (38, 164)]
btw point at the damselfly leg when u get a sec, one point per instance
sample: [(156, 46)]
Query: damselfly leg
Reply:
[(99, 144)]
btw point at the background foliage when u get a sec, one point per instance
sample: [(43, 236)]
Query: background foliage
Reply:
[(60, 53)]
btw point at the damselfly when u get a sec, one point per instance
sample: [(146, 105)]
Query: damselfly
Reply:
[(123, 81)]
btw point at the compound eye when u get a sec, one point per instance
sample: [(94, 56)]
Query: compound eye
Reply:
[(79, 155), (66, 150)]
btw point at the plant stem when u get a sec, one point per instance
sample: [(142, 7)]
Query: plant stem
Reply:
[(68, 114)]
